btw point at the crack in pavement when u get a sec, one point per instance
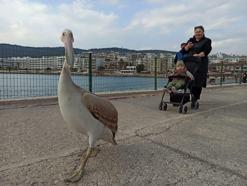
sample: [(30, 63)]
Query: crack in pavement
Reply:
[(74, 151), (186, 154), (60, 154), (190, 156), (182, 180), (40, 159), (181, 119)]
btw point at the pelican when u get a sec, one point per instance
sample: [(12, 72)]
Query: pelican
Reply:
[(83, 111)]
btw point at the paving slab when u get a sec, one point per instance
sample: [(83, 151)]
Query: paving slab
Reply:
[(203, 147), (133, 162)]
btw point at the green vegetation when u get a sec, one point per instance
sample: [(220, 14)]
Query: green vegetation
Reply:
[(139, 68), (122, 64)]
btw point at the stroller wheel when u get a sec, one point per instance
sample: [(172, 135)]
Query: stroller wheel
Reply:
[(165, 106), (161, 105), (185, 109), (180, 109)]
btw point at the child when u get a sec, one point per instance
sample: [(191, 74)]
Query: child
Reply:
[(178, 82), (180, 55)]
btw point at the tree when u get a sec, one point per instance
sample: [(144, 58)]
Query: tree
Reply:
[(48, 69), (122, 64), (139, 68), (100, 68)]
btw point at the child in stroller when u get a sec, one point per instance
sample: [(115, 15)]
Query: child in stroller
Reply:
[(179, 78), (177, 86)]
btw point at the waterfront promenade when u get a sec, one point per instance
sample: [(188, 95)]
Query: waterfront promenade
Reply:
[(203, 147)]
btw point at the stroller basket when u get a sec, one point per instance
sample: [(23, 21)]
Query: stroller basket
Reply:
[(179, 98)]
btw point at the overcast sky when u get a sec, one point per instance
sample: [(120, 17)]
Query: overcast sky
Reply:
[(133, 24)]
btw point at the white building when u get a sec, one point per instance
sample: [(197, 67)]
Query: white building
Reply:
[(54, 62), (130, 70)]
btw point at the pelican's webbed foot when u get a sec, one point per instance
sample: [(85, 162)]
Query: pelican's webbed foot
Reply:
[(78, 173)]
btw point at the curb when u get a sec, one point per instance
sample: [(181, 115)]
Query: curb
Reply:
[(52, 100)]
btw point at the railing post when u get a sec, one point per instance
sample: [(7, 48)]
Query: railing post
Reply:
[(90, 72), (221, 72), (155, 73), (241, 73), (234, 74), (166, 63)]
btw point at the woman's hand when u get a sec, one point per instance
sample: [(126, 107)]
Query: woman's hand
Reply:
[(188, 46), (201, 54), (190, 75)]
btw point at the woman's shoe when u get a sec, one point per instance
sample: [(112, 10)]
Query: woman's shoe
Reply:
[(193, 102)]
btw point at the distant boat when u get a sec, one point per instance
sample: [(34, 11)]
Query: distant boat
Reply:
[(117, 72), (127, 72), (130, 70), (85, 73)]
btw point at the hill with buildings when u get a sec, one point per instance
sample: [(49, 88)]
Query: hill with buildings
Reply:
[(8, 50)]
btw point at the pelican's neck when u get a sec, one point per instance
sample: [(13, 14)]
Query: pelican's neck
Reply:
[(69, 52), (66, 67), (65, 76)]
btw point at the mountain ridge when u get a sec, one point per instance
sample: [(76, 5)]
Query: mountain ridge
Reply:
[(10, 50)]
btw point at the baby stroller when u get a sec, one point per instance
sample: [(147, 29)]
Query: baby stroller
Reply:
[(182, 95)]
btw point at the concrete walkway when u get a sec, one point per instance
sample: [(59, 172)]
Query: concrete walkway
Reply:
[(203, 147)]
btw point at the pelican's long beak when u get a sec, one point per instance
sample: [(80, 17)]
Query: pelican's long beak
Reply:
[(69, 53)]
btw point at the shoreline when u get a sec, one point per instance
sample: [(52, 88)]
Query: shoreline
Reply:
[(84, 74), (101, 74)]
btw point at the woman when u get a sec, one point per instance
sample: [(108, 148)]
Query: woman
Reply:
[(197, 49)]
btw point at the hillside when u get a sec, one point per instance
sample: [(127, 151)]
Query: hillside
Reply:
[(8, 50)]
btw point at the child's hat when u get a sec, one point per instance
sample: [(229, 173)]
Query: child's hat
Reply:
[(180, 62)]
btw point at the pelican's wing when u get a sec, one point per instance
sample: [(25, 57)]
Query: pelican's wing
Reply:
[(102, 109)]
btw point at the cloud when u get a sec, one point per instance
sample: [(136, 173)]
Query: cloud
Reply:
[(157, 24), (38, 24), (221, 19), (157, 1), (161, 18), (114, 2)]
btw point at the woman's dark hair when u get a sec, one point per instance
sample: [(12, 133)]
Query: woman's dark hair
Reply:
[(200, 27), (183, 44)]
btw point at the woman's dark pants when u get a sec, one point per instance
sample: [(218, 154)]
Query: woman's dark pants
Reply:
[(196, 91)]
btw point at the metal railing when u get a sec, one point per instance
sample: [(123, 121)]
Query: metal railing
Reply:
[(35, 77), (226, 72)]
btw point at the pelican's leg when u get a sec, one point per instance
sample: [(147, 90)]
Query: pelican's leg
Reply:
[(91, 152), (78, 173), (94, 152), (84, 153)]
